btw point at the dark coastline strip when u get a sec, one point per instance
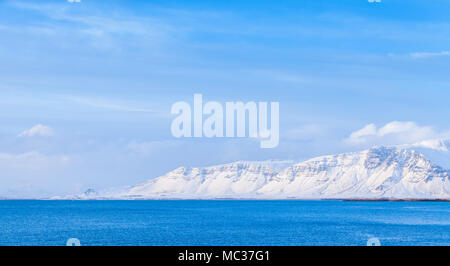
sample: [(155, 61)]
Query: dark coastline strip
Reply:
[(392, 199)]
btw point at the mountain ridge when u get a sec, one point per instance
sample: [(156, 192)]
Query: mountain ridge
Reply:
[(376, 173)]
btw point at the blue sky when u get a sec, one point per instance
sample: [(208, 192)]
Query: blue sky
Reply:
[(86, 88)]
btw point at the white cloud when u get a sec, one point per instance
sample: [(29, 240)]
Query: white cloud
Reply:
[(398, 133), (407, 129), (420, 55), (358, 136), (38, 130), (433, 144), (74, 1)]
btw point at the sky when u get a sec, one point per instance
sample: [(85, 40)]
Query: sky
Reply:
[(86, 87)]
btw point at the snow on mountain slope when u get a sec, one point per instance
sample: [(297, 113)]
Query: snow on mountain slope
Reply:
[(234, 180), (436, 151), (376, 173)]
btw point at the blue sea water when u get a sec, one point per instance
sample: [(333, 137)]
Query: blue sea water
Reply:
[(218, 222)]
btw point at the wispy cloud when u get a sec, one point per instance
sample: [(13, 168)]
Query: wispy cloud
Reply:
[(108, 104), (420, 55), (103, 29), (32, 160)]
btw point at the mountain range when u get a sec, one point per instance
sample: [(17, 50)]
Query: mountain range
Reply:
[(377, 173)]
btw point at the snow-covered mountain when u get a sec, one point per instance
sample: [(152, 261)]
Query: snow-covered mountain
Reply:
[(234, 180), (436, 150), (376, 173)]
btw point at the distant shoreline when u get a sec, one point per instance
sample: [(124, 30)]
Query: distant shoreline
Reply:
[(242, 199), (419, 200)]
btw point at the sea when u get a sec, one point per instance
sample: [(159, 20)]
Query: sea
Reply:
[(223, 223)]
